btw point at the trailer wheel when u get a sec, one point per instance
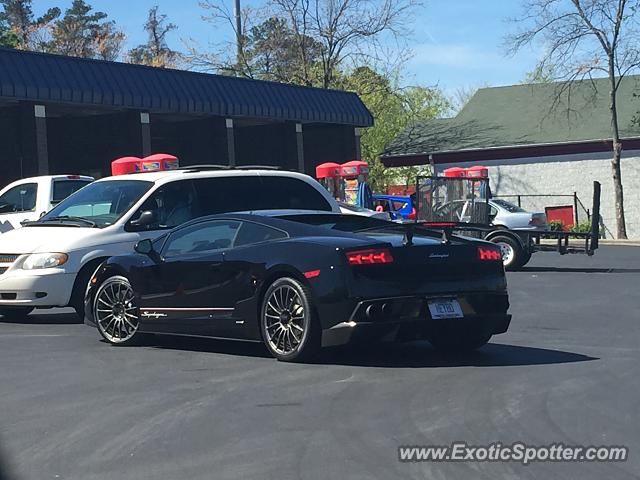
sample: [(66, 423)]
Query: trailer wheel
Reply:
[(513, 255)]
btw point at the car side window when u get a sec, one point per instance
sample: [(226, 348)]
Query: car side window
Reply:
[(202, 237), (172, 204), (251, 233), (493, 210), (21, 198), (250, 192)]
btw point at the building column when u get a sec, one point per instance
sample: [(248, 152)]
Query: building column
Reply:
[(145, 131), (358, 134), (231, 143), (42, 151), (300, 147)]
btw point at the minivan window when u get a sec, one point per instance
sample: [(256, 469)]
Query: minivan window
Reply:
[(21, 198), (102, 203), (172, 204), (241, 194)]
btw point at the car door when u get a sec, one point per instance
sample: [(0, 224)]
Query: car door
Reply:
[(206, 270), (187, 289), (17, 204)]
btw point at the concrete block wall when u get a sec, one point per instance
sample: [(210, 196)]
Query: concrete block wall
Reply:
[(567, 174)]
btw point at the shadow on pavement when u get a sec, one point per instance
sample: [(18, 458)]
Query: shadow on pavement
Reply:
[(578, 270), (422, 355), (411, 355), (207, 345), (44, 319)]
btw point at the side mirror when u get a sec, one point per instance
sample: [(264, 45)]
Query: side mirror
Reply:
[(146, 218), (144, 247)]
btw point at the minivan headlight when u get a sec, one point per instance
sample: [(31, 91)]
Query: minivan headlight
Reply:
[(44, 260)]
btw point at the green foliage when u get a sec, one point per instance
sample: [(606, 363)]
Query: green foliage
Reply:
[(155, 52), (393, 108), (83, 32), (555, 225), (8, 39), (581, 227), (19, 28), (542, 73), (272, 51)]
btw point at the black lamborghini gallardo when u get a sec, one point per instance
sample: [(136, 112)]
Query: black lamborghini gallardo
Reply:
[(300, 282)]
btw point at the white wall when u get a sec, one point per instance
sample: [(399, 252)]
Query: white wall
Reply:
[(566, 174)]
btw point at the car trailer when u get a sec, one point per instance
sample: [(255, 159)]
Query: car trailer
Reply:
[(460, 204)]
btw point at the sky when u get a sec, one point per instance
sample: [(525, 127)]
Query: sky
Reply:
[(456, 44)]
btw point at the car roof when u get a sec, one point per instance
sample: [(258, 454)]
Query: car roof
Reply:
[(54, 177), (167, 176)]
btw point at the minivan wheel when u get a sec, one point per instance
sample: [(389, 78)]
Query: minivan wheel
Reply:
[(115, 311), (289, 328)]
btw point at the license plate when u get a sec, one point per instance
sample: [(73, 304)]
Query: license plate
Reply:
[(445, 308)]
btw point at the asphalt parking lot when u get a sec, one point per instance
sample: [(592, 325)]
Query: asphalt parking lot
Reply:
[(72, 407)]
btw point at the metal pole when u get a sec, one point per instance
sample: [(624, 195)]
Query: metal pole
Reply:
[(238, 33), (595, 216), (575, 208)]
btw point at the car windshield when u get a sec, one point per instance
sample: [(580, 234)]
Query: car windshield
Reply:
[(508, 206), (99, 204)]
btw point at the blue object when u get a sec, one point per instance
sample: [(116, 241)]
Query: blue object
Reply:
[(404, 211), (364, 197)]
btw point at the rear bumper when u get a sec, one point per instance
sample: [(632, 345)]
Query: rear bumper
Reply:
[(404, 318), (347, 332)]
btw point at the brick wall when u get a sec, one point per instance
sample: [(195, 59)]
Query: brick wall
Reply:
[(567, 174)]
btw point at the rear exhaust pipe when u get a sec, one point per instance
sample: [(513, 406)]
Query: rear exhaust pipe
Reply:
[(369, 311)]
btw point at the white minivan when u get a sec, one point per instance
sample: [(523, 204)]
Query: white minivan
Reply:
[(48, 263)]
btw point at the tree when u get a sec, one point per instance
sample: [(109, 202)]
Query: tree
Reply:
[(8, 39), (542, 73), (584, 37), (155, 52), (21, 28), (393, 108), (85, 33), (321, 34), (270, 53)]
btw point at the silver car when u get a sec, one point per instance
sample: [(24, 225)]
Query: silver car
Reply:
[(506, 214), (502, 214)]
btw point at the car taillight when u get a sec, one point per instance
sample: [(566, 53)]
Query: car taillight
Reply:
[(537, 220), (369, 256), (489, 253)]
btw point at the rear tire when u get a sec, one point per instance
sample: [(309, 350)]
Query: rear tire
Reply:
[(458, 342), (288, 323), (513, 255), (15, 313)]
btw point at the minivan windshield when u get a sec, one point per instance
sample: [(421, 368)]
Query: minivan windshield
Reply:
[(99, 204)]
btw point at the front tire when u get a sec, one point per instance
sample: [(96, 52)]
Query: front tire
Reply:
[(289, 327), (15, 313), (115, 311)]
